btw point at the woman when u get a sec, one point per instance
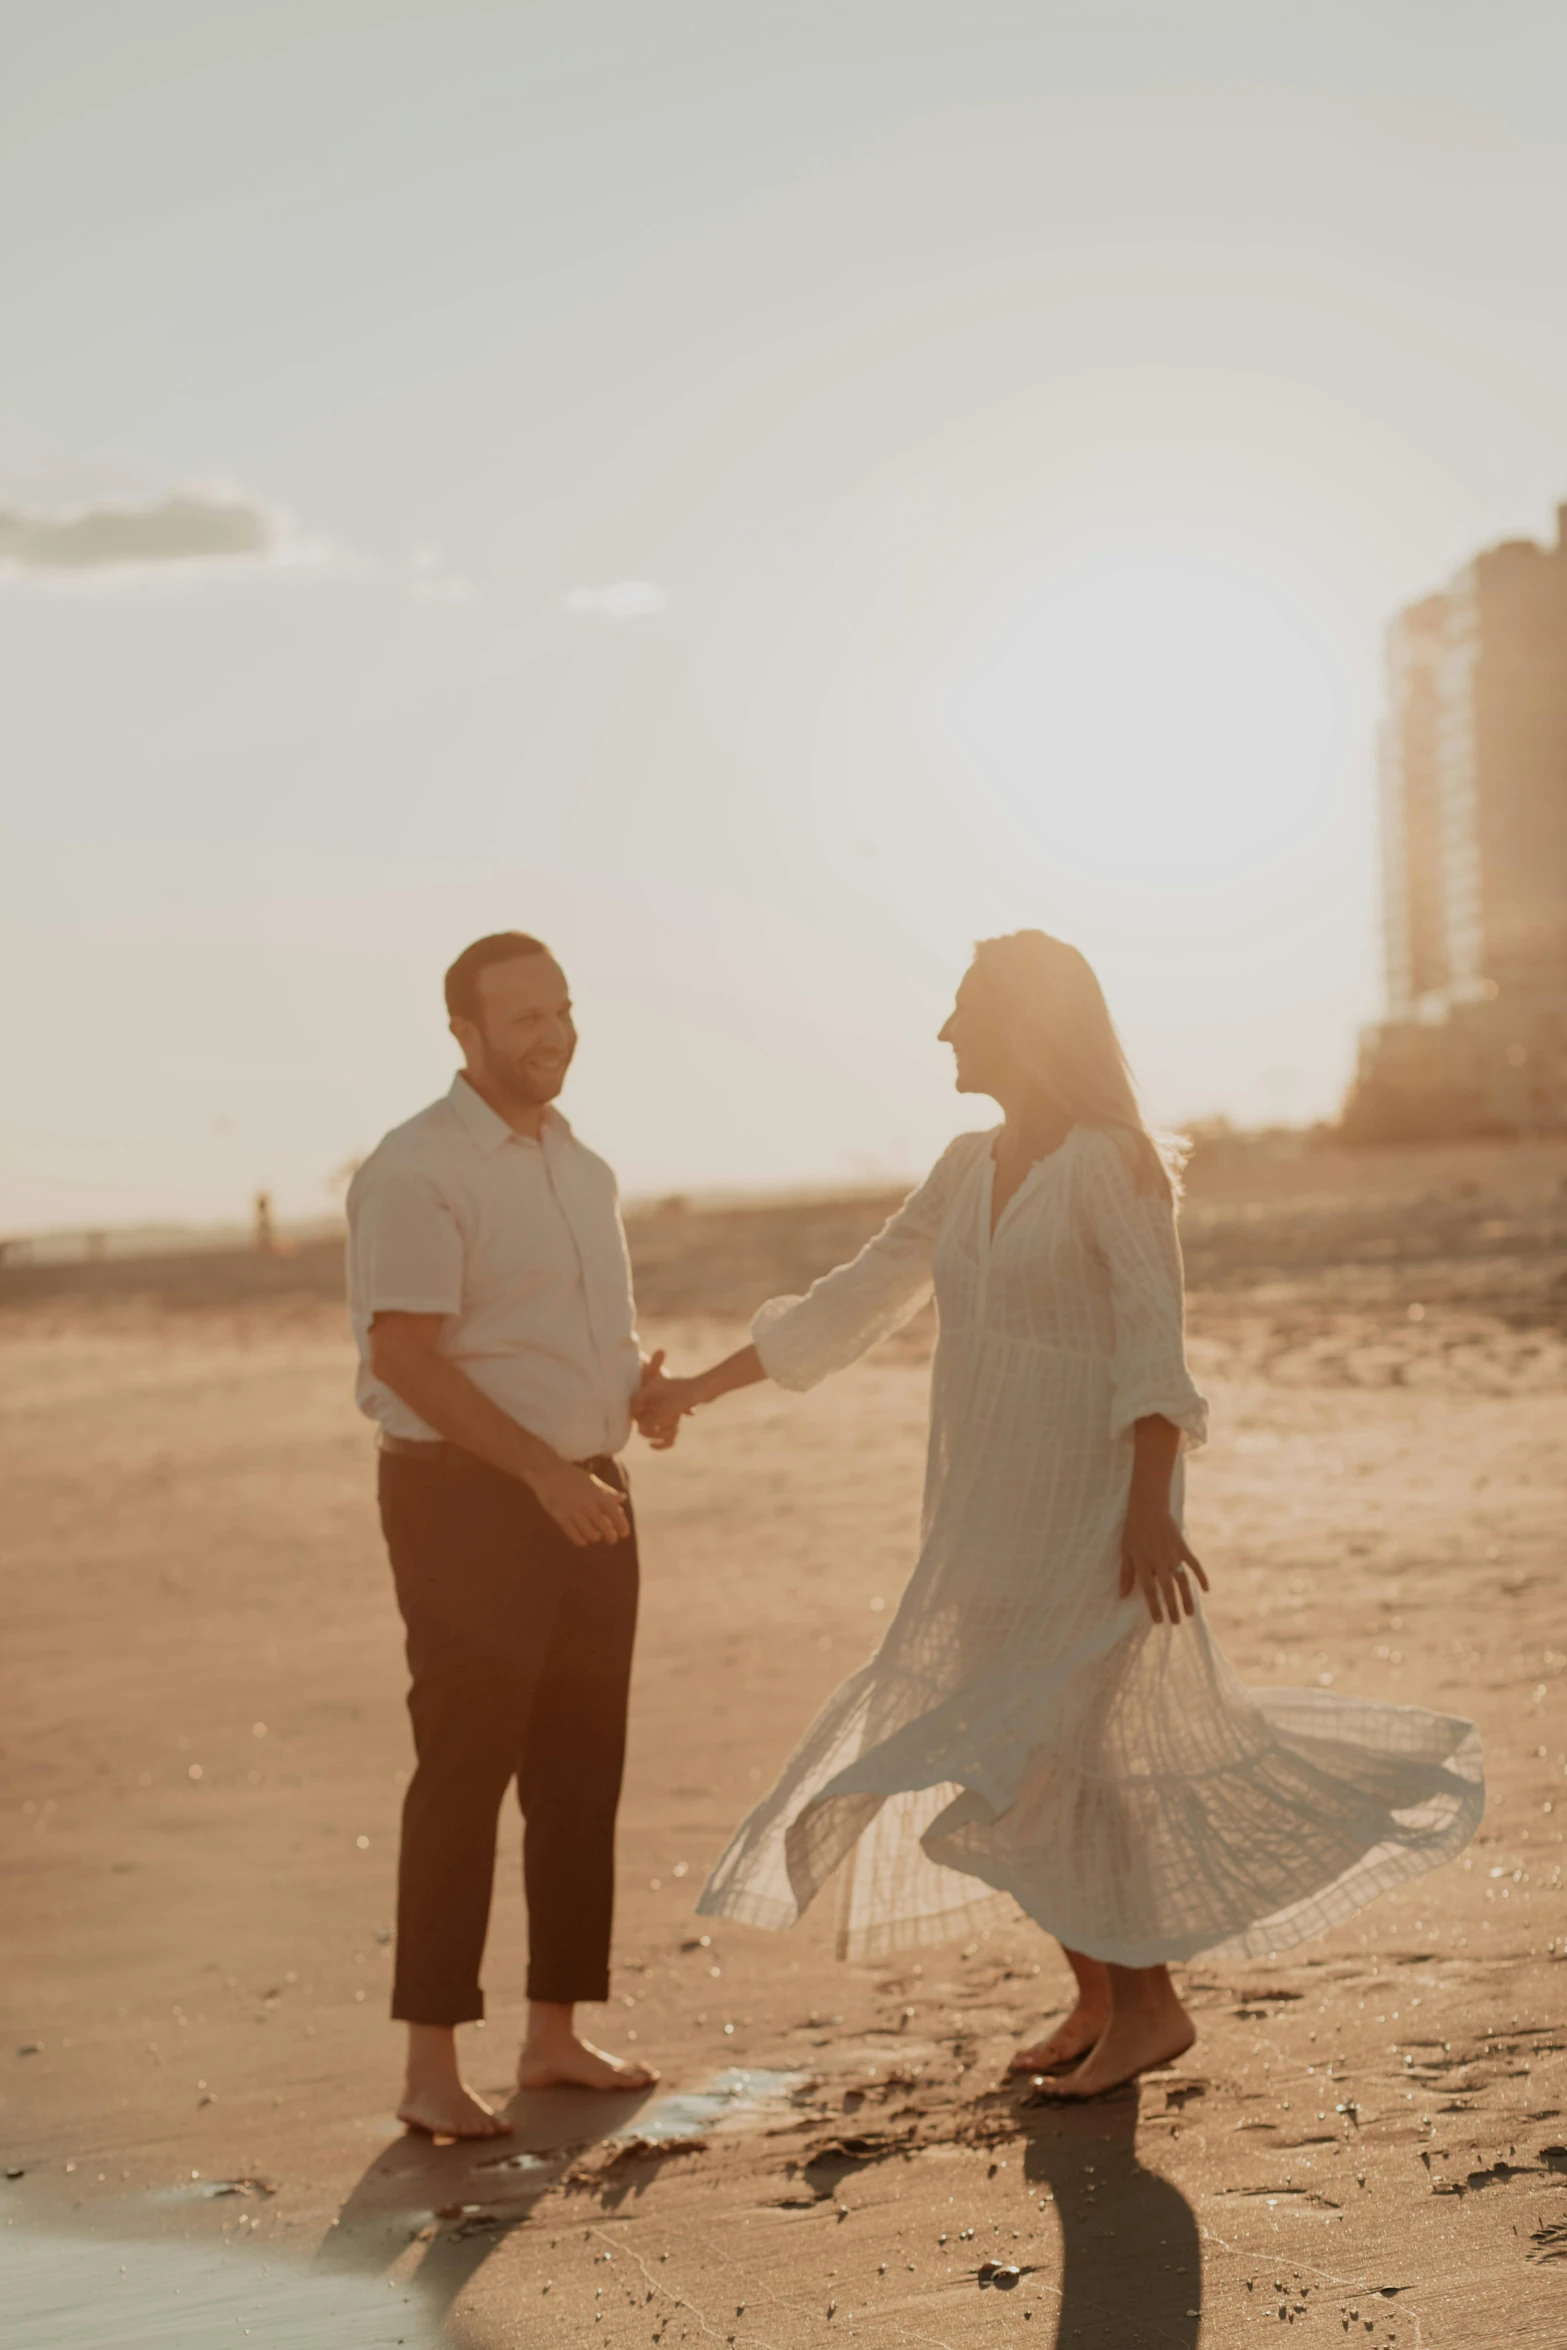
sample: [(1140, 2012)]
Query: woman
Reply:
[(1048, 1717)]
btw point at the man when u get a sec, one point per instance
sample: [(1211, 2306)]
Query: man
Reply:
[(491, 1298)]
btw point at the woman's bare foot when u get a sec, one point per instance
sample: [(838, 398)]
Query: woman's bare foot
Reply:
[(562, 2061), (1069, 2041), (1136, 2040), (1076, 2035), (451, 2110)]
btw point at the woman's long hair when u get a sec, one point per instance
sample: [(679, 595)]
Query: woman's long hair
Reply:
[(1055, 1018)]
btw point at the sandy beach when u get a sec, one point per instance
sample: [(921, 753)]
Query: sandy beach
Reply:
[(205, 1750)]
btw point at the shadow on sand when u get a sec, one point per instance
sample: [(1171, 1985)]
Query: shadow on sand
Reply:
[(464, 2200), (1131, 2256), (1131, 2262)]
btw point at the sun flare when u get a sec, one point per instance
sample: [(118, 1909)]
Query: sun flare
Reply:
[(1163, 717)]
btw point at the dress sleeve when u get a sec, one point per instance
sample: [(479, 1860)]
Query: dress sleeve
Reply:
[(847, 1312), (1135, 1234)]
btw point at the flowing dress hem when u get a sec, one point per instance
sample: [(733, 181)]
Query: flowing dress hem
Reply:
[(1389, 1861), (749, 1909), (1376, 1872), (988, 1906)]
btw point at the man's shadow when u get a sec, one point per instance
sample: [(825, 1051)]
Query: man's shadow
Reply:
[(1131, 2258), (463, 2200)]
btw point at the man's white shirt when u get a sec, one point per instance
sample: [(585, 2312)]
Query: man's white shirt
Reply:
[(519, 1245)]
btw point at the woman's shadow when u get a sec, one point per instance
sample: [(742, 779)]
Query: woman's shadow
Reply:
[(1131, 2258), (461, 2200)]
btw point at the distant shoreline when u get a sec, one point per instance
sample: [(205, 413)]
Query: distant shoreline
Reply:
[(1485, 1222)]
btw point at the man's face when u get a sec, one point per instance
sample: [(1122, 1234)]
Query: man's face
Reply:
[(524, 1037)]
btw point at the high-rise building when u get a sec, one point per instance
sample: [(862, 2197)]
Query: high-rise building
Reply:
[(1413, 935), (1473, 778)]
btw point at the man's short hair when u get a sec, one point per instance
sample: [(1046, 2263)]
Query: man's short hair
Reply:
[(462, 980)]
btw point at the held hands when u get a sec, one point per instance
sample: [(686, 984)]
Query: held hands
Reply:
[(1154, 1560), (660, 1403)]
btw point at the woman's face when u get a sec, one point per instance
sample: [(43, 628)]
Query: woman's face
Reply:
[(985, 1060)]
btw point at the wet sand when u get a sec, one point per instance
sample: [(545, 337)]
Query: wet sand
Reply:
[(204, 1754)]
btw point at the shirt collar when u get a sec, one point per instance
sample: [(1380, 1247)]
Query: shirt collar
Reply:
[(485, 1126)]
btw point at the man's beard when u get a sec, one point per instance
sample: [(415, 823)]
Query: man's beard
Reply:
[(516, 1082)]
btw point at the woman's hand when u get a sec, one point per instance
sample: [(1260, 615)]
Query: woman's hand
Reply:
[(1155, 1557), (661, 1403), (659, 1416)]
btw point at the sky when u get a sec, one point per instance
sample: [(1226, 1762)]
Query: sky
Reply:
[(759, 496)]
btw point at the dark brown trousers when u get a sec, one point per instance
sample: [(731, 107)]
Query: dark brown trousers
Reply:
[(519, 1653)]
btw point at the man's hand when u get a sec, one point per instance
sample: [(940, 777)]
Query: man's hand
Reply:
[(405, 1352), (584, 1508), (1154, 1560)]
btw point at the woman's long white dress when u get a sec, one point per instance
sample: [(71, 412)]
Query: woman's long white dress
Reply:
[(1023, 1733)]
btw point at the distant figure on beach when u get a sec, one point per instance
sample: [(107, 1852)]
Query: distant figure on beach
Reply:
[(491, 1298), (263, 1232), (1048, 1720)]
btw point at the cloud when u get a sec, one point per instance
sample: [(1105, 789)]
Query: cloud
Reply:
[(624, 599), (429, 581), (121, 538)]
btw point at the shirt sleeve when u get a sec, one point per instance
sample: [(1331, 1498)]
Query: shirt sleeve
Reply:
[(406, 1248), (1136, 1236), (843, 1315)]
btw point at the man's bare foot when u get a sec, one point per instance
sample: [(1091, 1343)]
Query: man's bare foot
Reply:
[(1067, 2043), (562, 2061), (436, 2098), (449, 2109), (1136, 2040)]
